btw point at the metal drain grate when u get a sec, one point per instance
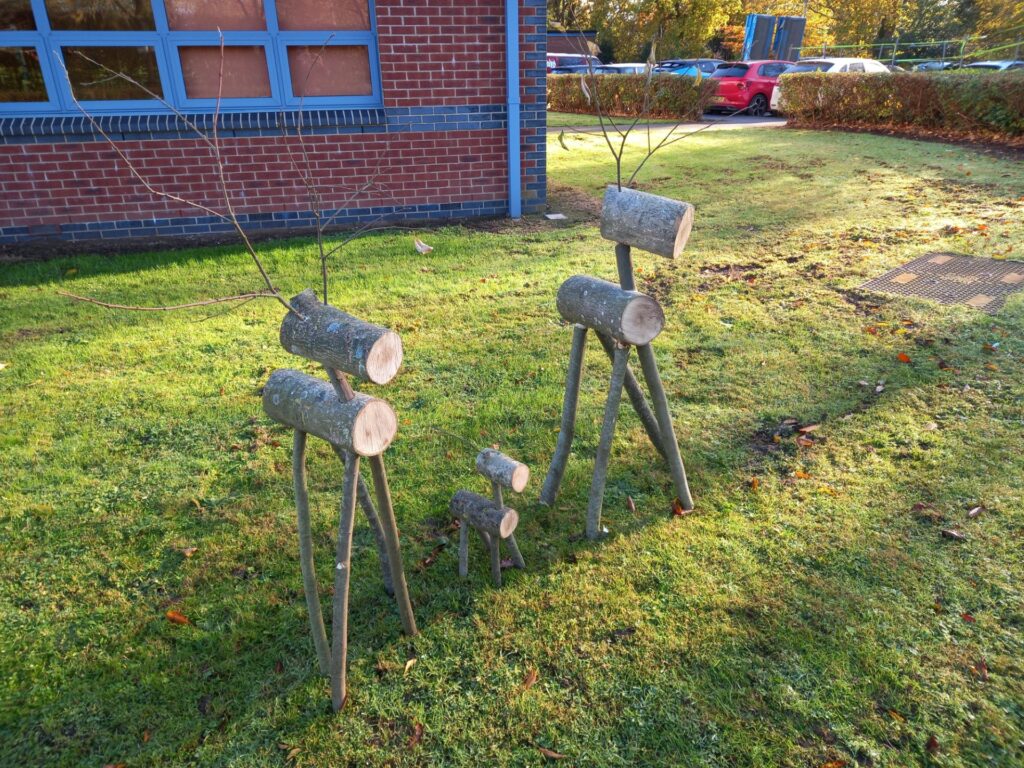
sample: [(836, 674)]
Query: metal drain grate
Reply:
[(950, 278)]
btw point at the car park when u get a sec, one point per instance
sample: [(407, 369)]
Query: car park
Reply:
[(746, 85), (688, 67), (829, 65), (622, 69), (935, 66)]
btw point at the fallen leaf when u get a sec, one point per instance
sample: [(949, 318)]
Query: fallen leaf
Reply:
[(529, 681), (953, 533), (931, 426), (550, 753), (114, 765), (981, 670), (903, 357), (293, 753), (834, 764), (800, 475), (808, 428), (421, 246), (177, 618), (189, 551), (897, 716), (755, 483), (409, 665), (279, 667), (932, 745), (506, 562), (70, 272), (145, 736), (630, 504), (967, 617), (990, 346), (872, 330), (417, 734), (804, 442), (678, 510), (2, 366), (974, 512)]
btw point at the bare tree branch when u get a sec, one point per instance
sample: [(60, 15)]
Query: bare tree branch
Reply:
[(171, 307)]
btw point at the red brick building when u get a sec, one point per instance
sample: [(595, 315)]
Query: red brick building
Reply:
[(415, 94)]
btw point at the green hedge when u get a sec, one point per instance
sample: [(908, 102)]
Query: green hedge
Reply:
[(672, 95), (953, 103)]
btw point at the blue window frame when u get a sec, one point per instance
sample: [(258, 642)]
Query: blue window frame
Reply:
[(166, 45)]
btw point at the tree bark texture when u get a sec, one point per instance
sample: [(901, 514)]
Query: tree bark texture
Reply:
[(496, 466), (627, 316), (604, 446), (342, 573), (483, 514), (649, 222), (563, 446)]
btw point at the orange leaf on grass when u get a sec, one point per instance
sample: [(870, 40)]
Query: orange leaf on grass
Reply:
[(804, 442), (529, 681), (755, 483), (550, 753), (808, 428), (177, 618), (678, 510), (903, 357)]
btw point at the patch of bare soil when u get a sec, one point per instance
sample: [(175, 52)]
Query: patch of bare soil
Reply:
[(722, 274)]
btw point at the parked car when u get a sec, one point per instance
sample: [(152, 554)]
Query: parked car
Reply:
[(582, 69), (623, 69), (561, 60), (935, 66), (824, 65), (746, 85), (688, 67), (999, 66)]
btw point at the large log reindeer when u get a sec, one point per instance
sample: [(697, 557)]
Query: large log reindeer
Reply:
[(621, 318), (356, 426)]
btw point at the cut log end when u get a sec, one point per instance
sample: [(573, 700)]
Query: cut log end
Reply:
[(385, 358), (374, 429), (642, 320)]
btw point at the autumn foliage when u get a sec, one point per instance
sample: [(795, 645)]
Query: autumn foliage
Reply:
[(670, 95), (954, 104)]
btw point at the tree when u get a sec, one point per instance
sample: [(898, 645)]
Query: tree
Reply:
[(673, 26), (566, 15)]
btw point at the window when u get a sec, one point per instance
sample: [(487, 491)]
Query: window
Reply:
[(731, 70), (771, 70), (856, 67), (277, 54)]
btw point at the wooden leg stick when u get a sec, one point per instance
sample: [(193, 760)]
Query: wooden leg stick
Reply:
[(342, 568), (366, 502), (549, 491), (513, 548), (675, 461), (309, 586), (496, 560), (637, 398), (604, 447), (514, 553), (464, 549), (387, 519)]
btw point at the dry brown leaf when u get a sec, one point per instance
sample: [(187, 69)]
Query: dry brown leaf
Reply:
[(550, 753), (953, 533), (530, 680), (421, 246), (834, 764), (177, 618), (981, 670), (409, 665), (808, 428), (677, 508), (969, 618), (800, 475), (932, 745), (804, 442), (189, 551), (755, 483), (975, 511), (417, 734), (631, 505)]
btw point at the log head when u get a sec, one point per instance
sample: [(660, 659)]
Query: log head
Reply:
[(649, 222), (502, 469), (335, 339)]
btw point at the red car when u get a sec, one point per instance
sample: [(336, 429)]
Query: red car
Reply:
[(746, 85)]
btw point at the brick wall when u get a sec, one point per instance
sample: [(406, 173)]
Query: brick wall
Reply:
[(438, 149)]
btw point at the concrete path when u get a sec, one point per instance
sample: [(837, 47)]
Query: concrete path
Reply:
[(719, 123)]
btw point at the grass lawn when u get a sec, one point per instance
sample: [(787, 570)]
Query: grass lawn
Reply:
[(572, 120), (809, 613)]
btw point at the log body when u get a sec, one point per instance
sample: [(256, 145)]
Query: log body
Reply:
[(364, 425), (627, 316), (483, 514), (649, 222), (337, 340), (506, 471)]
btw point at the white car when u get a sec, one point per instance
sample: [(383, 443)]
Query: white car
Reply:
[(999, 66), (825, 65)]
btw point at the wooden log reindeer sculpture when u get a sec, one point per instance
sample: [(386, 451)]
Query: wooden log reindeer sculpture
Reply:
[(490, 517), (622, 318), (356, 426)]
